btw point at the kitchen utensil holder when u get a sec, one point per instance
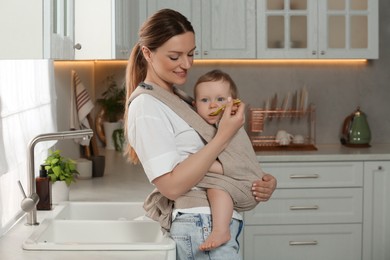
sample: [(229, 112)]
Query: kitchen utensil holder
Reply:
[(263, 125)]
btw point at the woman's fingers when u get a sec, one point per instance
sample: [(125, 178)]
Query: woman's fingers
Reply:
[(262, 189)]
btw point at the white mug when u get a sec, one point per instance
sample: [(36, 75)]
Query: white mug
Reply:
[(298, 139), (283, 137)]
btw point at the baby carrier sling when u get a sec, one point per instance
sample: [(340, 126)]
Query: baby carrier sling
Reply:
[(238, 159)]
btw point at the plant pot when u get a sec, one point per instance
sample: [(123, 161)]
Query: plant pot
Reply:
[(60, 192), (109, 128)]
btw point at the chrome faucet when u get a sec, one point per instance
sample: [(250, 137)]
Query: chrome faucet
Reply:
[(30, 200)]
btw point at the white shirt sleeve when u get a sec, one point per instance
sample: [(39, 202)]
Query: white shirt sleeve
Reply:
[(152, 134)]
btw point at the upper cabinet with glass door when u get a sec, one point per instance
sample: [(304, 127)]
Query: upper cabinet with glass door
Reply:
[(317, 29), (223, 28), (59, 40), (39, 29)]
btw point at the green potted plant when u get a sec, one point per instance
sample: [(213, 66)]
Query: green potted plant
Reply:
[(62, 172), (112, 109), (113, 100)]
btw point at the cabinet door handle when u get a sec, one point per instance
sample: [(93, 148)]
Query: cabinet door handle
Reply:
[(303, 243), (304, 176), (314, 207), (77, 46)]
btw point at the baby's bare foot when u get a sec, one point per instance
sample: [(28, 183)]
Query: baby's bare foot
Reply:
[(215, 239)]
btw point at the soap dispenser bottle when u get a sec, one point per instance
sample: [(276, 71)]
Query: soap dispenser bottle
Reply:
[(43, 185)]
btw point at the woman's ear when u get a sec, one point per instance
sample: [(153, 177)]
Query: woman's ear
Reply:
[(147, 53)]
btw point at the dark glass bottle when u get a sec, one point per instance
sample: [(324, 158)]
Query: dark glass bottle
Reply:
[(43, 185)]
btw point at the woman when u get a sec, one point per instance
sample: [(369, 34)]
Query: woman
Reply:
[(161, 140)]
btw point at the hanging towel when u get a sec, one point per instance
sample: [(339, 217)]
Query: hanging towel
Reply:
[(81, 106)]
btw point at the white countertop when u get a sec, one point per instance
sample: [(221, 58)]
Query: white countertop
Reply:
[(125, 182), (329, 152)]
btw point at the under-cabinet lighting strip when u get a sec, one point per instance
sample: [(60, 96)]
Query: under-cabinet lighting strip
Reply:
[(252, 61), (283, 61)]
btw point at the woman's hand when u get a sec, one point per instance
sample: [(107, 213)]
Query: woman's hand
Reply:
[(263, 189), (232, 120)]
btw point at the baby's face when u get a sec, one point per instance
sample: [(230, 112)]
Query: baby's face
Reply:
[(209, 97)]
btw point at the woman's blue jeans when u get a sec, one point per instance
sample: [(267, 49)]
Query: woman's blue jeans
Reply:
[(190, 230)]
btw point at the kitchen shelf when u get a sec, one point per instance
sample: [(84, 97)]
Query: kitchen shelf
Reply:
[(263, 124)]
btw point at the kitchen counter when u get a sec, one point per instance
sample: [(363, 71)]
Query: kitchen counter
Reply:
[(122, 181), (330, 152), (125, 182)]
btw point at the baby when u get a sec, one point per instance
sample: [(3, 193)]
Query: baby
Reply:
[(211, 93)]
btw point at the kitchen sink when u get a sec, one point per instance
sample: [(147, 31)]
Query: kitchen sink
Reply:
[(101, 226), (55, 234), (99, 211)]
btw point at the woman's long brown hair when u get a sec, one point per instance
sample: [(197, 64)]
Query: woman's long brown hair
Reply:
[(158, 29)]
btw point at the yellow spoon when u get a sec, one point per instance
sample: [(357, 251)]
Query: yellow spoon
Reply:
[(219, 110)]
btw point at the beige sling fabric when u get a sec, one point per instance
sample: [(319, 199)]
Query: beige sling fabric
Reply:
[(239, 162)]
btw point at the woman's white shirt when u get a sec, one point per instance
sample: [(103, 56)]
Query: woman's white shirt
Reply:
[(160, 137)]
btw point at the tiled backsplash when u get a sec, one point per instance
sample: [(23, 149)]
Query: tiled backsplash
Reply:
[(335, 89)]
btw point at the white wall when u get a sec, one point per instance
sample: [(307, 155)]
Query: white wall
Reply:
[(92, 74)]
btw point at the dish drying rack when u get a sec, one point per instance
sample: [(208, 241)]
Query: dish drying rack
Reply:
[(264, 123)]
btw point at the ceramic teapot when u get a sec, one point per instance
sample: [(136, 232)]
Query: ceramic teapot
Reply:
[(356, 130)]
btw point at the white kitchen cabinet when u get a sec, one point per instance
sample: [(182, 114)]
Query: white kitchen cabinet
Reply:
[(317, 29), (309, 206), (376, 232), (190, 9), (223, 28), (40, 29), (126, 27), (105, 29), (294, 242), (316, 210), (94, 29)]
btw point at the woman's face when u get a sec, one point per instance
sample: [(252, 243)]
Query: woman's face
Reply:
[(168, 64)]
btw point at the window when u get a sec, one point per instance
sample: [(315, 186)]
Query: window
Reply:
[(27, 109)]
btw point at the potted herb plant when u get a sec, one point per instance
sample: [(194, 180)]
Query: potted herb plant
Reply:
[(113, 107), (62, 172)]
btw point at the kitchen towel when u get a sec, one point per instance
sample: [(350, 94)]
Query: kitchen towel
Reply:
[(81, 106)]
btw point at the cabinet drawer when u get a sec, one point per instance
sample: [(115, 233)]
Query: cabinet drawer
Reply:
[(336, 242), (309, 206), (316, 174)]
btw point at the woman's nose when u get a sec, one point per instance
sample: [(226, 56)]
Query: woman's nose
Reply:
[(187, 62)]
